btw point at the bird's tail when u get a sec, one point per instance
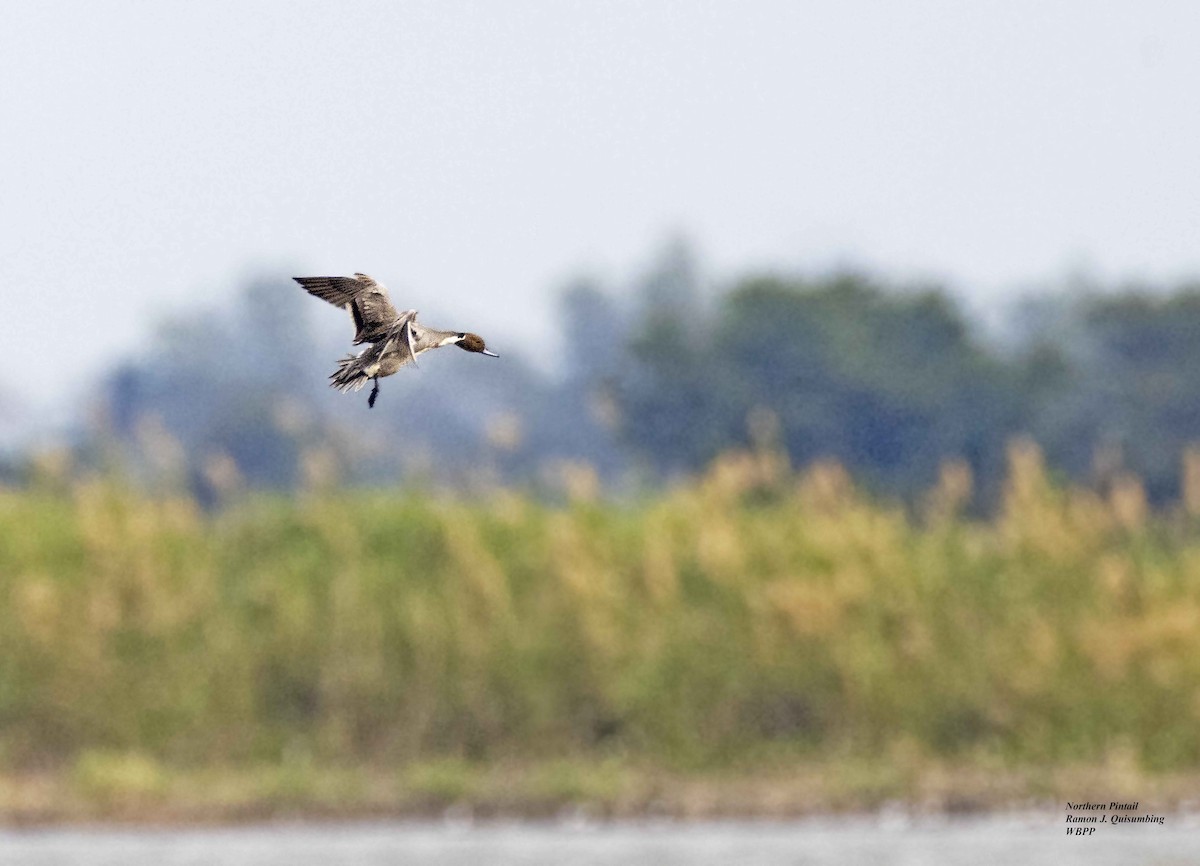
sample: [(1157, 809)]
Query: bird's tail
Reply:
[(351, 374)]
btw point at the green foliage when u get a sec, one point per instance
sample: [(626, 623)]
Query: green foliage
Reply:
[(112, 778), (442, 782), (660, 376), (750, 615), (1137, 383), (888, 383)]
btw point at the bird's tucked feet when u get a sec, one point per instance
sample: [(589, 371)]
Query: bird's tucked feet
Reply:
[(374, 392)]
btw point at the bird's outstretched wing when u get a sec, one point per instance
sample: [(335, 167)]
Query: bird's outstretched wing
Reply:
[(367, 300)]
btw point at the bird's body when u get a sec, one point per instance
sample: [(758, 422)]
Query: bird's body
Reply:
[(394, 339)]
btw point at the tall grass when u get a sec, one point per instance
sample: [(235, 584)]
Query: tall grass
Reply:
[(751, 615)]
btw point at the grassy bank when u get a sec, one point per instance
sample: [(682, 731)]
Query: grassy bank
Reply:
[(747, 623), (134, 789)]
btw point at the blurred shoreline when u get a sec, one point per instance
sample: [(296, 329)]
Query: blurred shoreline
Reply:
[(553, 791)]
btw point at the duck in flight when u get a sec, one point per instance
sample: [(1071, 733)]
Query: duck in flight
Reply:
[(394, 338)]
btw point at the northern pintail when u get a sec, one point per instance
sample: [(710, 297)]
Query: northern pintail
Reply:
[(395, 338)]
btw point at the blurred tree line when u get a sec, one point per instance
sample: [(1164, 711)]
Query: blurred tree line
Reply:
[(658, 377)]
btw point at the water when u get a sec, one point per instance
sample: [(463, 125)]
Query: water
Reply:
[(1031, 841)]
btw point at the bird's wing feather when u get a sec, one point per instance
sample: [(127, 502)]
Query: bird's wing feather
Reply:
[(408, 338), (338, 291), (397, 338), (367, 300)]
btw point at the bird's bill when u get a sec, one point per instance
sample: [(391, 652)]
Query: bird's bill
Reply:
[(489, 353)]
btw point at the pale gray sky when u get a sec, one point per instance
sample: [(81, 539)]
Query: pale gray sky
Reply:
[(154, 154)]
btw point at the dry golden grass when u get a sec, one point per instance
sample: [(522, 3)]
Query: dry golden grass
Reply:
[(754, 618)]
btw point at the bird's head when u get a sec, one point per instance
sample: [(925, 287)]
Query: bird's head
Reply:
[(474, 343)]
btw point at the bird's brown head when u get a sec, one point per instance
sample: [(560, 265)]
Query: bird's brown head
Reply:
[(474, 343)]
